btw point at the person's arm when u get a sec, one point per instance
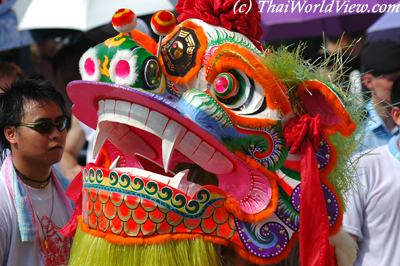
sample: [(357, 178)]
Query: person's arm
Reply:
[(74, 143)]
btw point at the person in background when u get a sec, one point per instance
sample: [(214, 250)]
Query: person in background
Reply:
[(9, 72), (380, 63), (64, 69), (33, 205), (372, 214)]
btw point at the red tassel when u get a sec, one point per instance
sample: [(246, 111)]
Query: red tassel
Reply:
[(303, 135)]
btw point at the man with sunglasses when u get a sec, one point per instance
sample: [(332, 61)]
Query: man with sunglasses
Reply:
[(33, 205)]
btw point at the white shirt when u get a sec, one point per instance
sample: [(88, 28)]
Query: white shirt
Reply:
[(15, 252), (373, 208)]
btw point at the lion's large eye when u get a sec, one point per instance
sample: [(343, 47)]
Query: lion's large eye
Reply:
[(225, 86), (238, 92), (123, 68), (89, 65), (231, 88)]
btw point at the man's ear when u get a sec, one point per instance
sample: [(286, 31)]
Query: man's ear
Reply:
[(396, 115), (367, 80), (10, 134)]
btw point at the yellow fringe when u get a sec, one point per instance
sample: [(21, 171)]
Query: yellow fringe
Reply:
[(90, 250)]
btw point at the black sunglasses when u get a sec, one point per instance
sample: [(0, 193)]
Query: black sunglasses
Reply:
[(47, 126)]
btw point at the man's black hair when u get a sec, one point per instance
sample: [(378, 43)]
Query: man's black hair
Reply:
[(13, 101)]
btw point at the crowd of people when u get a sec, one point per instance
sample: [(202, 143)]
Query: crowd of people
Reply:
[(41, 146)]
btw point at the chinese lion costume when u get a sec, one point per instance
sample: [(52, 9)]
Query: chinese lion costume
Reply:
[(214, 142)]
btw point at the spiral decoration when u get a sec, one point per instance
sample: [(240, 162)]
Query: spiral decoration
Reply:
[(264, 239)]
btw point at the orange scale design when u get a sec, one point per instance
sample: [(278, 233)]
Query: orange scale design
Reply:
[(192, 223), (157, 216), (97, 206), (131, 228), (208, 212), (181, 228), (148, 228), (103, 224), (219, 204), (109, 210), (116, 226), (116, 198), (164, 210), (124, 213), (92, 221), (226, 231), (231, 222), (132, 202), (103, 196), (220, 215), (174, 219), (139, 215), (148, 205), (164, 228), (92, 195), (208, 225)]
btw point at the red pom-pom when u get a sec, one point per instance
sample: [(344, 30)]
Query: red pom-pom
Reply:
[(163, 22), (222, 13), (124, 20)]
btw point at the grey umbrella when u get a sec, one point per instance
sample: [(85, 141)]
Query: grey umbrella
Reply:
[(10, 37), (386, 27)]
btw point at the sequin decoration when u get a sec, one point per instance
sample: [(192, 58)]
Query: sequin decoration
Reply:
[(289, 214), (296, 198), (263, 239), (323, 154), (332, 205)]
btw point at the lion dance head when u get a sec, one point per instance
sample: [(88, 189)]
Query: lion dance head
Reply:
[(202, 142)]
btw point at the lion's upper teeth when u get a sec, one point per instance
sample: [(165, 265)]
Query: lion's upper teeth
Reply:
[(114, 122), (172, 134)]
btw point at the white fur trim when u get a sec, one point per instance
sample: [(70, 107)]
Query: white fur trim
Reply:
[(92, 54), (131, 59), (345, 248)]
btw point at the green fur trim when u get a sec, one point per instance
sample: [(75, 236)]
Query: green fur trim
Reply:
[(292, 70), (91, 250)]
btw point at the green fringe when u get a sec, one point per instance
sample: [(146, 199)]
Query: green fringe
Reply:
[(292, 69), (91, 250)]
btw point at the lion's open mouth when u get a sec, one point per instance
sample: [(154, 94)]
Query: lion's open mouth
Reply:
[(156, 142), (160, 148)]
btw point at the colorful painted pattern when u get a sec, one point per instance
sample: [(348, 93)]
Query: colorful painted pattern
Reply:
[(221, 92), (133, 206)]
